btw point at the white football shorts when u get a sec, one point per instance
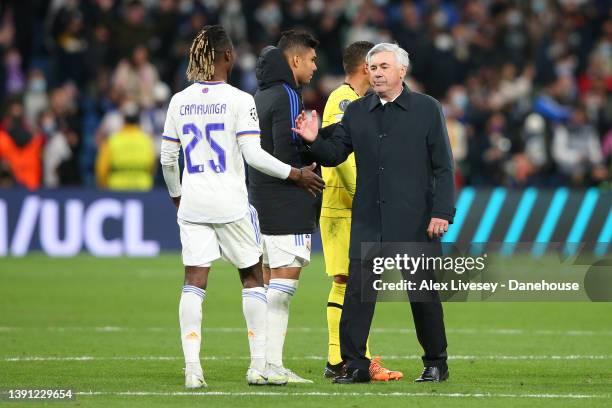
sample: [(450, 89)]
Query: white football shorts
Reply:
[(284, 251), (238, 242)]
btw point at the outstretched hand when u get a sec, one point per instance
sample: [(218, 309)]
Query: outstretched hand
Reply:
[(307, 126)]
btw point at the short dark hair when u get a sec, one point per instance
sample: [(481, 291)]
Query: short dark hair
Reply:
[(354, 55), (292, 39), (134, 3)]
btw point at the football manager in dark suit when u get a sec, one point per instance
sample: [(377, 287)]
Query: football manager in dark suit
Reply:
[(405, 193)]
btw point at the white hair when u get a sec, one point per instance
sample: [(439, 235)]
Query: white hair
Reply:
[(401, 56)]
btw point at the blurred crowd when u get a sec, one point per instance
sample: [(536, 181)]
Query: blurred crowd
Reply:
[(525, 85)]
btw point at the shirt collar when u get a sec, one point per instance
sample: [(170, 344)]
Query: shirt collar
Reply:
[(402, 100), (211, 82), (383, 102)]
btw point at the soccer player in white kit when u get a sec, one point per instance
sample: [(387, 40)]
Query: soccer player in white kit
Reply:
[(217, 125)]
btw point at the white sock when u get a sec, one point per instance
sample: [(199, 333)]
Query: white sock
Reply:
[(190, 318), (254, 307), (279, 296)]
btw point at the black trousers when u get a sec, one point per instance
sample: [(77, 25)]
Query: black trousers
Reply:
[(357, 318)]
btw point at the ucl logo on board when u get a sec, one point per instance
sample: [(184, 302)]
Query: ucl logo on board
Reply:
[(65, 226)]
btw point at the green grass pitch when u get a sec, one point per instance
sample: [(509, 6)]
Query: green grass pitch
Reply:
[(108, 328)]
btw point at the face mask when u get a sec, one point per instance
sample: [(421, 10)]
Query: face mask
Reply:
[(504, 144), (444, 42), (270, 16), (538, 6), (247, 62), (38, 85), (186, 7), (48, 126), (460, 100)]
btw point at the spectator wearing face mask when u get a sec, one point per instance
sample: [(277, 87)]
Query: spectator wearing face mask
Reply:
[(35, 100), (577, 151), (454, 106)]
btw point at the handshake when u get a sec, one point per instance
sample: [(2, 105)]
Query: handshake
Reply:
[(307, 179)]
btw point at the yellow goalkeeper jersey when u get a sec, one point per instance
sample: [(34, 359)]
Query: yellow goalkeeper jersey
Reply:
[(340, 180)]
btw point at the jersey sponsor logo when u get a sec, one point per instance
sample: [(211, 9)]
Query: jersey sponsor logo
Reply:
[(343, 104)]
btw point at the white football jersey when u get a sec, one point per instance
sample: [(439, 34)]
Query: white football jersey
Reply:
[(206, 118)]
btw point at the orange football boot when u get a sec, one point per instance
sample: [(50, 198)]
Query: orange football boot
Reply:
[(380, 373)]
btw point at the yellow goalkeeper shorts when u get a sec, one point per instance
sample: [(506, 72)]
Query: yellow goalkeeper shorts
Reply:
[(336, 236)]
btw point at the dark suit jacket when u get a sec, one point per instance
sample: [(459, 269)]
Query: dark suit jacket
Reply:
[(404, 166)]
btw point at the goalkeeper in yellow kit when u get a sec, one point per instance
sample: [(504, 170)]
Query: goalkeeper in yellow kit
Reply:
[(336, 211)]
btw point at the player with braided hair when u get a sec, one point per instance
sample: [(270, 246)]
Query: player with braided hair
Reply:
[(202, 52)]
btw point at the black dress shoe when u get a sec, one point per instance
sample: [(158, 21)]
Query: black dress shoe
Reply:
[(353, 377), (430, 374), (334, 370)]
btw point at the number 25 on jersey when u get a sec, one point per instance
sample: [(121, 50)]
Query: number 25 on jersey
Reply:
[(191, 128)]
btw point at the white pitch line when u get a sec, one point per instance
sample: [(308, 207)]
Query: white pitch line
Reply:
[(299, 358), (340, 394), (501, 331)]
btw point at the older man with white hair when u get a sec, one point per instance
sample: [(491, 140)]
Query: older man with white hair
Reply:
[(405, 193)]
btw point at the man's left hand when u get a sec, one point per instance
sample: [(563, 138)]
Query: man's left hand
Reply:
[(437, 228), (307, 127)]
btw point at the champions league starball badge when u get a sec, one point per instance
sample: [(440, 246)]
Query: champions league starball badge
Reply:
[(343, 104)]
